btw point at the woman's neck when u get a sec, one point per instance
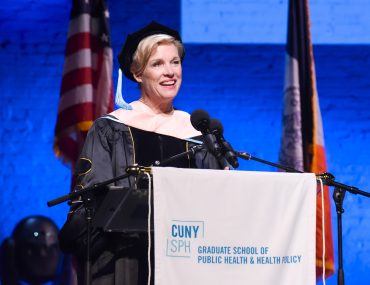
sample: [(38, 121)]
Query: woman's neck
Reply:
[(158, 108)]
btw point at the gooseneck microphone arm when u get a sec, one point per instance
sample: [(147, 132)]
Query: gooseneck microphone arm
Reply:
[(81, 192), (190, 152), (327, 178), (246, 156)]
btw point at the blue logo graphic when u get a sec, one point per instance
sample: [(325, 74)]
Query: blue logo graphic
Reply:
[(181, 233)]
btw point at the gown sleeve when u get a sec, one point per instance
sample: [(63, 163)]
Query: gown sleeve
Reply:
[(106, 154)]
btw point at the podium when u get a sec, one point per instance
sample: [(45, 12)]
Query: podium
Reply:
[(234, 227)]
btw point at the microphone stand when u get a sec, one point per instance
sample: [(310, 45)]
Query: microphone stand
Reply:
[(338, 197), (130, 170), (190, 152), (86, 193), (246, 156)]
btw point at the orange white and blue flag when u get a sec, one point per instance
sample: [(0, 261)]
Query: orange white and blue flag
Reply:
[(302, 144)]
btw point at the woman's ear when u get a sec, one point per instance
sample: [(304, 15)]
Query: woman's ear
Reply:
[(138, 77)]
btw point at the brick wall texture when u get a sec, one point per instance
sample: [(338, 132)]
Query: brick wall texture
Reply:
[(240, 84)]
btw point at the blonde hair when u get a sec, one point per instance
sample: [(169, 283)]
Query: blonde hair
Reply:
[(146, 47)]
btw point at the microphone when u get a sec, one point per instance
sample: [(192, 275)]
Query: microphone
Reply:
[(200, 120), (227, 150)]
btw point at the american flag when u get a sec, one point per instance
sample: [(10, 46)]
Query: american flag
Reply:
[(302, 145), (86, 91)]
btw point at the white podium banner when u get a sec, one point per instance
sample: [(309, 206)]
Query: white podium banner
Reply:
[(216, 227)]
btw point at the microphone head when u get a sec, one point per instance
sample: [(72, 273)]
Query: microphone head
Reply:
[(216, 126), (200, 120)]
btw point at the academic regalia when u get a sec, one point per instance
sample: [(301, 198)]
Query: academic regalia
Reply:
[(112, 145)]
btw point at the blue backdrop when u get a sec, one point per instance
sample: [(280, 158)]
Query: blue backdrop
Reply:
[(235, 74)]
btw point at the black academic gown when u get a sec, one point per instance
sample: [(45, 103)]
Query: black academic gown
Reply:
[(109, 148)]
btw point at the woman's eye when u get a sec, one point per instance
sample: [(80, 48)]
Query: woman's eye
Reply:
[(156, 64)]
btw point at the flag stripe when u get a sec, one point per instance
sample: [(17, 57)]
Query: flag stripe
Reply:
[(83, 41), (103, 88), (67, 147), (84, 23), (75, 78), (78, 95), (75, 113), (291, 152), (79, 59)]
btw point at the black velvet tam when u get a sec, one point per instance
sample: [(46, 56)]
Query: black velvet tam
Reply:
[(133, 40)]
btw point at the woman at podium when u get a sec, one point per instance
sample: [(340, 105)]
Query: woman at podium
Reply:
[(142, 132)]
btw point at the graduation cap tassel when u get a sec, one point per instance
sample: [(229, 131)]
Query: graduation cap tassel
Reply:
[(120, 102)]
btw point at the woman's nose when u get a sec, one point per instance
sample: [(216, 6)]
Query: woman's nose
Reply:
[(168, 70)]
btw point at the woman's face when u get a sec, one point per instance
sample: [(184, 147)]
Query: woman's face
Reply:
[(161, 79)]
